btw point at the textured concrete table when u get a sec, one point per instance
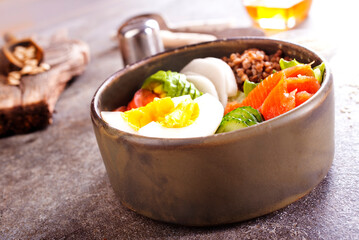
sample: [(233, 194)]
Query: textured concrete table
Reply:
[(53, 184)]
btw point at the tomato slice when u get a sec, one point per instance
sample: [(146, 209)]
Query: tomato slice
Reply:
[(141, 98)]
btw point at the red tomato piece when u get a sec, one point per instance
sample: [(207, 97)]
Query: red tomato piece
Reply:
[(141, 98)]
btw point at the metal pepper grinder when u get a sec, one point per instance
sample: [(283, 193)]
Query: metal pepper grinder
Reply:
[(139, 38)]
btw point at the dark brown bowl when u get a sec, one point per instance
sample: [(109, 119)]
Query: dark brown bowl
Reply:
[(222, 178)]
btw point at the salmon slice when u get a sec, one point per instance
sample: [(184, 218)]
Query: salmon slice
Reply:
[(303, 70), (303, 83), (301, 97), (259, 94), (306, 86), (279, 101)]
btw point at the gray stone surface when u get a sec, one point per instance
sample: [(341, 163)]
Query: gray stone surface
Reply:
[(53, 184)]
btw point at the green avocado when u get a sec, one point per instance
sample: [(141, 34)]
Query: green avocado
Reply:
[(180, 86), (170, 84)]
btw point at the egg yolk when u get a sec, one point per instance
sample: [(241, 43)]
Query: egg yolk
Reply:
[(183, 115), (163, 111)]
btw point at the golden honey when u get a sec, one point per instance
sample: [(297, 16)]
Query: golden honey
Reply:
[(277, 14)]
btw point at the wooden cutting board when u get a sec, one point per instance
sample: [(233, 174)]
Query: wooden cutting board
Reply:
[(29, 106)]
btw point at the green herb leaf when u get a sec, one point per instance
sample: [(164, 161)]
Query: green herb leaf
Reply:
[(319, 72), (287, 64)]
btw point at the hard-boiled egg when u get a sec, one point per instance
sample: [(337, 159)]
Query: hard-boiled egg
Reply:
[(132, 120), (179, 117), (115, 120), (209, 117)]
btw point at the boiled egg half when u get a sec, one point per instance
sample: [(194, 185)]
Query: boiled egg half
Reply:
[(179, 117)]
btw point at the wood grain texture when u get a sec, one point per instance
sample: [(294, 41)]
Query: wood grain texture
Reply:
[(29, 106)]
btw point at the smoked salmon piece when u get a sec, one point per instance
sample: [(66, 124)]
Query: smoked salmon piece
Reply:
[(303, 83), (306, 86), (257, 96), (301, 97), (303, 70), (278, 101)]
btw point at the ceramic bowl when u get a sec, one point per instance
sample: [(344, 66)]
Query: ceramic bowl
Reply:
[(223, 178)]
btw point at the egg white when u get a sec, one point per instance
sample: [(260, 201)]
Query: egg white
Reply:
[(115, 120)]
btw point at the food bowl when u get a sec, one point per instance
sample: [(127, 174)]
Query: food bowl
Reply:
[(223, 178)]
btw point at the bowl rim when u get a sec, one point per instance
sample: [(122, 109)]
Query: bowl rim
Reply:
[(266, 126)]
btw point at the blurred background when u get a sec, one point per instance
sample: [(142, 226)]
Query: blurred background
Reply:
[(96, 22), (328, 29)]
